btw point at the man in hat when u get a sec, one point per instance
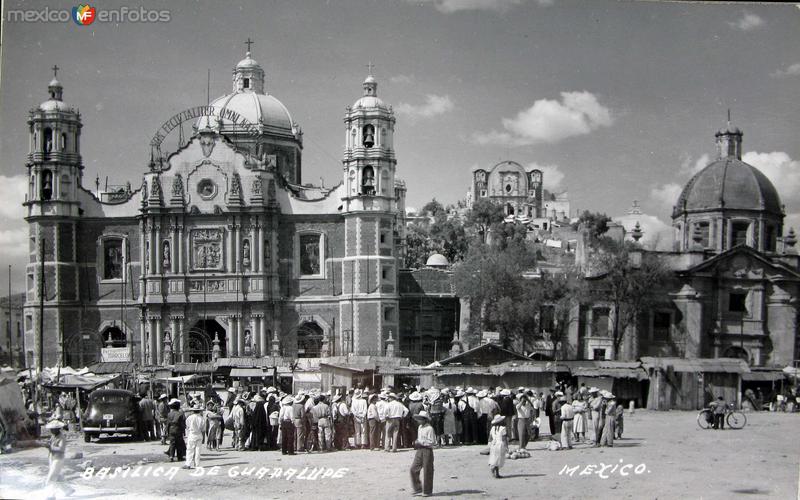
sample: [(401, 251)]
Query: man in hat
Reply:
[(57, 448), (260, 423), (468, 405), (423, 457), (595, 408), (147, 410), (162, 410), (395, 411), (414, 407), (358, 408), (548, 411), (374, 420), (195, 427), (558, 400), (321, 424), (286, 421), (489, 409), (508, 411), (341, 419), (237, 415), (176, 426)]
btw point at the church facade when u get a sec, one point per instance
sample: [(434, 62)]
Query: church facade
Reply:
[(221, 251)]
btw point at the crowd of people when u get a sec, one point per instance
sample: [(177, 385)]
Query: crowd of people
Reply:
[(309, 422)]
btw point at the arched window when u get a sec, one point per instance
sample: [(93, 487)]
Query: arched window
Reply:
[(113, 336), (63, 141), (64, 187), (246, 83), (309, 340), (368, 180), (48, 140), (113, 259), (369, 136), (385, 182), (47, 185)]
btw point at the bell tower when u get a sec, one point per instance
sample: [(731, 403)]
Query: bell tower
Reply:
[(55, 170), (371, 206)]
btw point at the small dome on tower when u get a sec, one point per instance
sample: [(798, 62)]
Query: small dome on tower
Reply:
[(437, 260), (248, 62)]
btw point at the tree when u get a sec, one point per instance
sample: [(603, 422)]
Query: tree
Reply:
[(594, 222), (433, 208), (483, 215), (625, 277), (491, 276)]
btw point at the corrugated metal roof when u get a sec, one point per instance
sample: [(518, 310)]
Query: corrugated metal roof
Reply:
[(698, 365)]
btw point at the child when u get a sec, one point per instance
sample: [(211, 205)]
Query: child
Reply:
[(423, 457), (619, 420), (498, 445)]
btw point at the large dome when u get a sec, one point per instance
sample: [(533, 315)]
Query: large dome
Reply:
[(730, 184), (252, 109)]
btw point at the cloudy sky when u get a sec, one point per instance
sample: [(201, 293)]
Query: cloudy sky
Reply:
[(616, 100)]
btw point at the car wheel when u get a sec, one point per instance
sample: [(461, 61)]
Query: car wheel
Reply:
[(87, 437)]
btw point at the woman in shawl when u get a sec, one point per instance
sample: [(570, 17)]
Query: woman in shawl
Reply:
[(259, 425), (498, 445)]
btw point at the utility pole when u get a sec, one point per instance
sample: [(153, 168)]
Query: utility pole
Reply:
[(10, 334)]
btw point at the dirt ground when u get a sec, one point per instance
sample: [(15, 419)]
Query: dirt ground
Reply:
[(666, 454)]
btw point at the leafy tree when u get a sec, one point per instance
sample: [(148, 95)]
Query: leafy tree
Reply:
[(483, 215), (625, 277), (433, 208), (594, 222), (491, 276)]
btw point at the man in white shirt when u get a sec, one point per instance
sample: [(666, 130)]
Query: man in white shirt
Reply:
[(286, 421), (195, 426), (423, 457), (359, 410), (237, 414), (395, 410), (381, 407)]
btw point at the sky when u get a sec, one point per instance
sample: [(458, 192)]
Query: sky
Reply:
[(614, 100)]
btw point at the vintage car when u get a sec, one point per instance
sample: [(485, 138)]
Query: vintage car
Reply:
[(110, 411)]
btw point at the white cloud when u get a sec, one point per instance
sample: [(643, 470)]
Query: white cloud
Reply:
[(747, 22), (449, 6), (657, 233), (12, 195), (547, 120), (690, 168), (14, 241), (434, 105), (552, 176), (667, 194), (791, 70), (402, 79), (783, 171)]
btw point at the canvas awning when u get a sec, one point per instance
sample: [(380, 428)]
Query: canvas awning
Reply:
[(250, 372), (307, 377), (86, 382), (763, 376)]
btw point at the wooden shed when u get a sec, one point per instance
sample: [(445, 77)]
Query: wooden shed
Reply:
[(692, 383), (628, 380)]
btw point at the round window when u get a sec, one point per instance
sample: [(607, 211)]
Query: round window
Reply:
[(206, 189)]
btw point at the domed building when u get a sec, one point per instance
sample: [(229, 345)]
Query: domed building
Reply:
[(733, 277), (728, 203), (222, 261)]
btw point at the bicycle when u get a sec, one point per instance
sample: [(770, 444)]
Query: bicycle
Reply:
[(734, 418)]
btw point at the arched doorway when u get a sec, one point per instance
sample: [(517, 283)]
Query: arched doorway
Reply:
[(113, 336), (309, 340), (200, 341), (736, 352)]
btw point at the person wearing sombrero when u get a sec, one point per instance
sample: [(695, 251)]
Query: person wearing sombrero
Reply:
[(423, 456), (176, 426), (498, 444), (286, 421), (195, 428), (358, 408), (57, 448), (162, 410), (607, 437), (595, 413), (373, 418)]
